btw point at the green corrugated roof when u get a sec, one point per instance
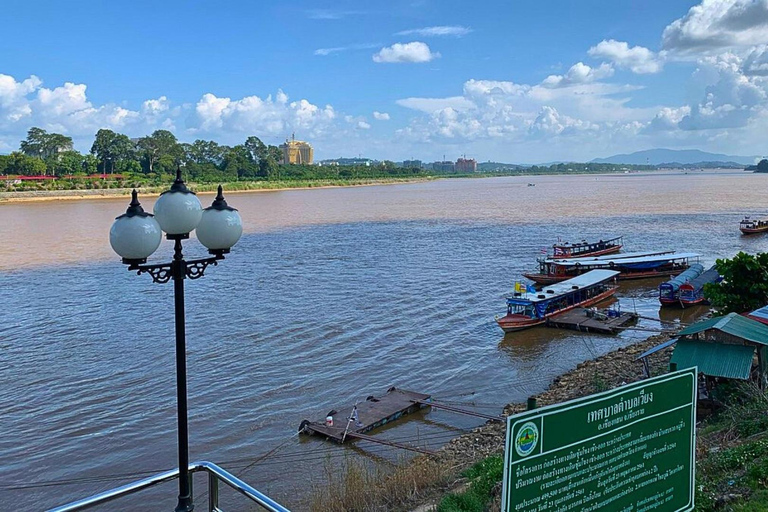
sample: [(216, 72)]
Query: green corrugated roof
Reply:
[(714, 359), (733, 324)]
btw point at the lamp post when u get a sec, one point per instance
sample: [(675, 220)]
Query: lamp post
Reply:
[(135, 235)]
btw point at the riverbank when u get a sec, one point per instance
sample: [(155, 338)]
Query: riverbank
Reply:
[(465, 475), (200, 188)]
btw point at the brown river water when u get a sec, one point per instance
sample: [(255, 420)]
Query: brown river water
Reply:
[(330, 296)]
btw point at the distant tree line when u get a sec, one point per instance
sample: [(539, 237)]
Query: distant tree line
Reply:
[(52, 154)]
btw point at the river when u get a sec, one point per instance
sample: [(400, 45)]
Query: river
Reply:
[(331, 295)]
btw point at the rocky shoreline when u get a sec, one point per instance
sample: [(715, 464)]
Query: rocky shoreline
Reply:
[(605, 372)]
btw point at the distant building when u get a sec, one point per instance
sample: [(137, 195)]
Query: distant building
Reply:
[(296, 152), (444, 166), (413, 164), (466, 165)]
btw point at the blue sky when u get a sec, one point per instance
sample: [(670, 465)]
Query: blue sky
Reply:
[(522, 81)]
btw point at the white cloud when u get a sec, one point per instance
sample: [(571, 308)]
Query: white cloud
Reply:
[(324, 52), (718, 24), (579, 73), (155, 107), (380, 116), (638, 59), (549, 122), (405, 52), (442, 30), (429, 105), (363, 125)]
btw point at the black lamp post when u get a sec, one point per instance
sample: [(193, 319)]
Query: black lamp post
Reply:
[(135, 235)]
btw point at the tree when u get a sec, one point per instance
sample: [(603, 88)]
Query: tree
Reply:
[(44, 145), (110, 147), (19, 163), (68, 162), (762, 166), (744, 286), (256, 149), (160, 143)]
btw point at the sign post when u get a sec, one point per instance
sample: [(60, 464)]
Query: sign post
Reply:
[(630, 449)]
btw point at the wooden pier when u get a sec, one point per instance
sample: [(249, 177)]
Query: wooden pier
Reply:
[(354, 422), (590, 320)]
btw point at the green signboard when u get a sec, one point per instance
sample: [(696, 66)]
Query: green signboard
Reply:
[(630, 449)]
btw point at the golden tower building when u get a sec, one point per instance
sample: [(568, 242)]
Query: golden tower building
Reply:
[(297, 152)]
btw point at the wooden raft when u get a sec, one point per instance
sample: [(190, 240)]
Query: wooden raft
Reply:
[(372, 413), (578, 320)]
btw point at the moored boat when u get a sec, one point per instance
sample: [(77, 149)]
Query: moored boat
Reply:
[(659, 264), (750, 227), (584, 248), (669, 291), (692, 292), (529, 309)]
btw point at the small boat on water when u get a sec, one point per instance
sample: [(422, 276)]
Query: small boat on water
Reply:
[(644, 266), (584, 248), (692, 292), (529, 309), (750, 227), (669, 292)]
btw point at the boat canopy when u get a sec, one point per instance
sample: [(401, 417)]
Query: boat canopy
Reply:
[(609, 257), (591, 278), (671, 287), (709, 276), (634, 263), (584, 243)]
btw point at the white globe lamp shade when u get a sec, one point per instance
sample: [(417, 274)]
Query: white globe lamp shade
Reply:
[(178, 210), (220, 227), (135, 235)]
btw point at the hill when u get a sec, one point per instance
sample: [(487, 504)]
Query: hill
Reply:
[(679, 156)]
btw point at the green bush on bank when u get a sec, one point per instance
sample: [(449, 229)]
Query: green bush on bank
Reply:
[(484, 476)]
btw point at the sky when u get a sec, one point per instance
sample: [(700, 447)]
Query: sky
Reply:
[(508, 81)]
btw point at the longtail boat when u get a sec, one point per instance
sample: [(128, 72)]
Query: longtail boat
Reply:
[(750, 227), (692, 292), (636, 267), (669, 292), (584, 248), (529, 309)]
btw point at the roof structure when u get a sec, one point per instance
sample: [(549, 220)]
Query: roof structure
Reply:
[(590, 278), (573, 262), (733, 324), (761, 315), (714, 359), (657, 348), (610, 257)]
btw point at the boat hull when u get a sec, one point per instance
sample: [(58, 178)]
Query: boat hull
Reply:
[(545, 279), (753, 231), (513, 323)]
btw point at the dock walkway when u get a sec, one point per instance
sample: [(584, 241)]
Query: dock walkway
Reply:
[(598, 322)]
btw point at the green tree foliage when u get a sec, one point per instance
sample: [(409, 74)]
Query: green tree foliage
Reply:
[(161, 143), (19, 163), (744, 286), (45, 146), (111, 148)]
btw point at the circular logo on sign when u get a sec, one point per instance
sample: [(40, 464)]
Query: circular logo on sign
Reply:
[(526, 439)]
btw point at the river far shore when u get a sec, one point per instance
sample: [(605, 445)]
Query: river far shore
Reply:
[(200, 188)]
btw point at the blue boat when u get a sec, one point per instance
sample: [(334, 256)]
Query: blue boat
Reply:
[(669, 292)]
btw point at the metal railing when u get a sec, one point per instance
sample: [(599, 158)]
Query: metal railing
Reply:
[(215, 475)]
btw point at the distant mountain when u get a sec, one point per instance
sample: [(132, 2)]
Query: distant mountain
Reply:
[(680, 156)]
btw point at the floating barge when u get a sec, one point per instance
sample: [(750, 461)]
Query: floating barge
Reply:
[(593, 320), (692, 292), (355, 421)]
